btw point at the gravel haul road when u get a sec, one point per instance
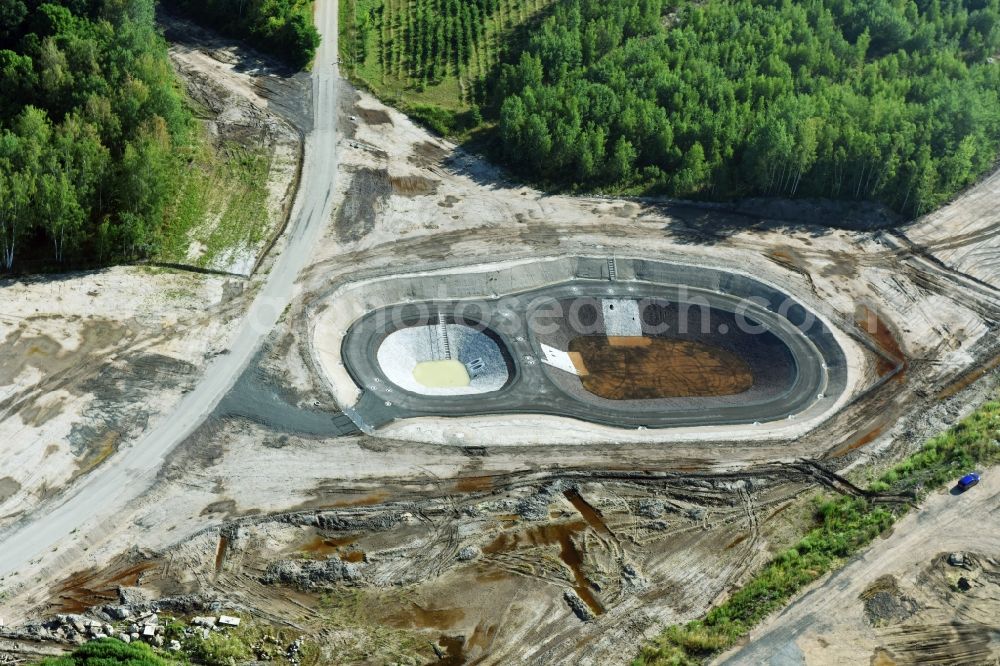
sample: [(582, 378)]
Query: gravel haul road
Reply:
[(107, 491)]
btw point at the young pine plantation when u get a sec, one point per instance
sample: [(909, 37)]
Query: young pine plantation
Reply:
[(896, 101)]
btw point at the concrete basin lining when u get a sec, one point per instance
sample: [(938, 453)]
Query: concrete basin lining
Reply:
[(348, 302), (814, 368), (400, 348)]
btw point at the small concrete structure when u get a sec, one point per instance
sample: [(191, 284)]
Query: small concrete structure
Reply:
[(535, 310), (229, 621), (621, 318), (561, 359)]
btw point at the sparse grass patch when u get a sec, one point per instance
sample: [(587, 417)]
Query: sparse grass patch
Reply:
[(218, 649), (250, 642), (357, 618), (220, 208), (844, 525)]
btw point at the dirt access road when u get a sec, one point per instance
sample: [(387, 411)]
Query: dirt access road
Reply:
[(92, 504), (826, 625)]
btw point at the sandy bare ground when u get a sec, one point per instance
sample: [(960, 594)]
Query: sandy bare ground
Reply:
[(436, 209), (965, 235), (87, 362), (827, 624), (415, 204), (91, 510)]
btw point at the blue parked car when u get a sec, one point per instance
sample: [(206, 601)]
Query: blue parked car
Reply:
[(968, 481)]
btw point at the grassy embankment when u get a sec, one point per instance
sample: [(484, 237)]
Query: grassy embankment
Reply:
[(219, 207), (844, 525)]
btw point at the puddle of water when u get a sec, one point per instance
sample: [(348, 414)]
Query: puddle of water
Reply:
[(735, 542), (592, 515), (969, 378), (552, 534), (220, 553), (364, 500), (321, 545), (454, 650), (418, 617), (472, 484), (874, 431), (869, 322), (860, 440)]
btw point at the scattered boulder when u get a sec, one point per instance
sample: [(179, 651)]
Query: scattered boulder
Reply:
[(188, 604), (650, 508), (134, 596), (632, 580), (334, 522), (101, 615), (118, 612), (578, 606), (695, 513), (310, 574), (468, 553), (536, 506), (957, 559)]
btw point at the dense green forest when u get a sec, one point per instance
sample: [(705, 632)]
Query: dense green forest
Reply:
[(893, 100), (89, 124), (283, 28)]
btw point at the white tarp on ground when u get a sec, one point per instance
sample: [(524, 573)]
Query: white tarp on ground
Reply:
[(621, 318), (558, 359)]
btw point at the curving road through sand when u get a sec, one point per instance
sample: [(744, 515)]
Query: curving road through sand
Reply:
[(101, 495)]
